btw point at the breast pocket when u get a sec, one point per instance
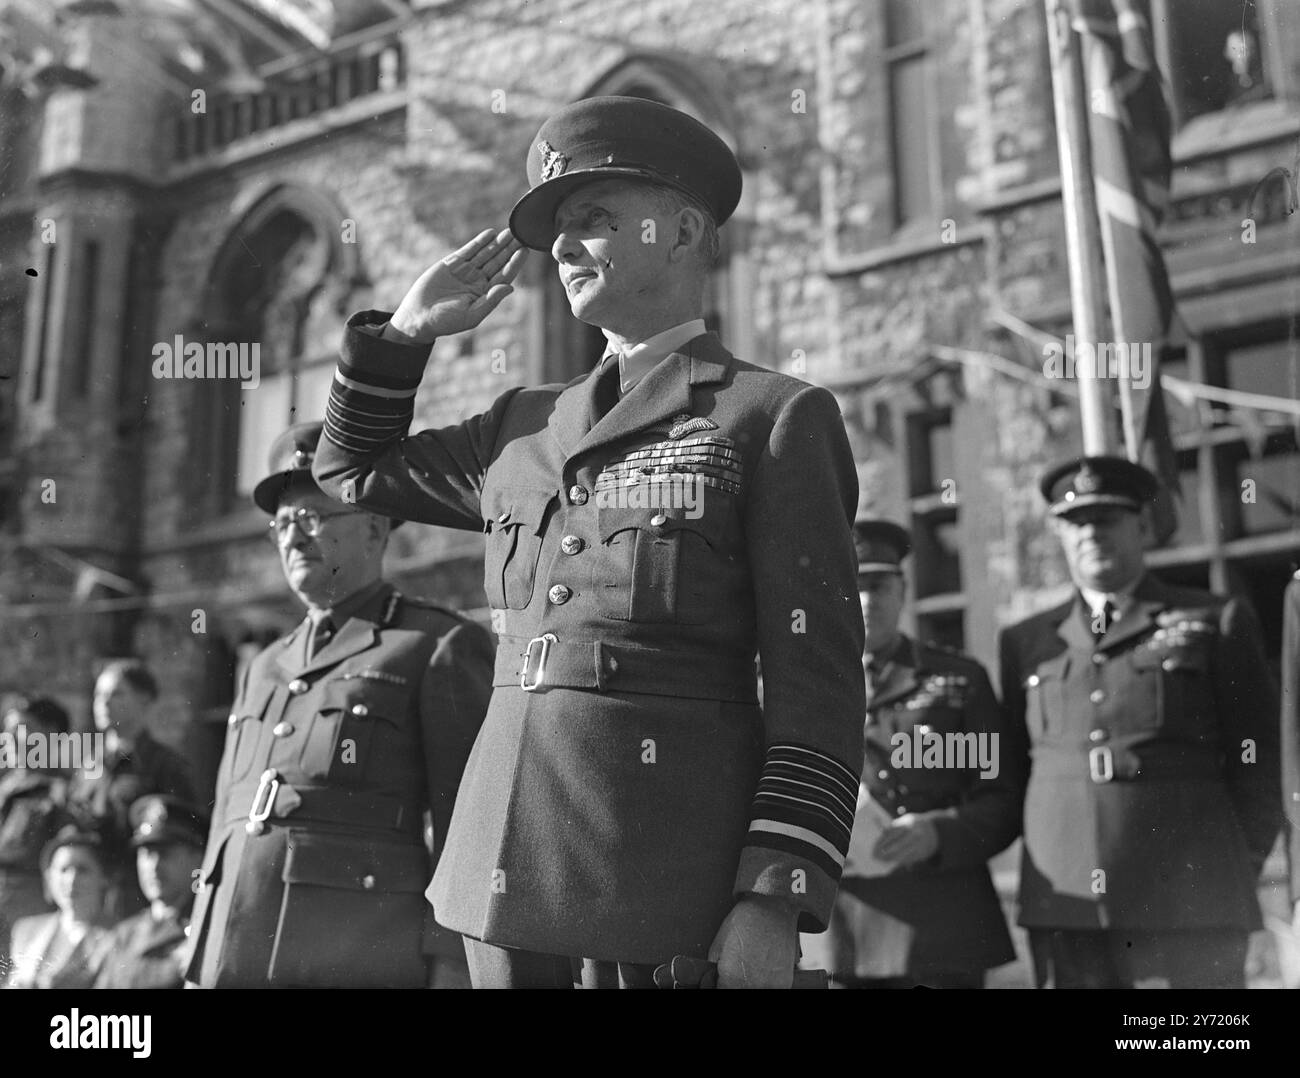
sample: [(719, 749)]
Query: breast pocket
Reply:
[(1179, 683), (346, 735), (661, 565), (1045, 697), (514, 519), (243, 729)]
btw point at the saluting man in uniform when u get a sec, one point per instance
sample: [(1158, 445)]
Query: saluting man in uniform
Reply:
[(148, 949), (651, 527), (1153, 790), (342, 735), (941, 793)]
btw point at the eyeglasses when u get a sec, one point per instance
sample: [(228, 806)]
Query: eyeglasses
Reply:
[(308, 521)]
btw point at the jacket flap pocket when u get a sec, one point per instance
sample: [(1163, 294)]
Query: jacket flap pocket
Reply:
[(524, 506), (356, 864), (1053, 669), (1179, 658), (712, 525), (365, 698)]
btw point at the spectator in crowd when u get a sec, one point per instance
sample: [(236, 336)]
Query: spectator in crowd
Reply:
[(148, 949), (33, 807), (54, 950), (128, 764)]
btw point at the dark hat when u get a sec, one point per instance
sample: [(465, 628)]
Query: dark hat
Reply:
[(881, 546), (290, 462), (73, 835), (157, 819), (1086, 481), (601, 138)]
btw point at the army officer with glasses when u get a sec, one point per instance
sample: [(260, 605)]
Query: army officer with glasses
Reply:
[(343, 735)]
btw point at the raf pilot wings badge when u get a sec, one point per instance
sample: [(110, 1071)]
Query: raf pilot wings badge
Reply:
[(685, 424)]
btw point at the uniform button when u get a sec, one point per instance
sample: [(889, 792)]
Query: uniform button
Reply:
[(1098, 658), (922, 727), (902, 790), (1096, 696), (578, 495), (282, 729), (1295, 796), (1168, 664), (1032, 680), (297, 686), (360, 710), (658, 520), (1097, 735), (559, 594), (900, 811), (368, 882), (571, 544), (882, 774), (232, 720)]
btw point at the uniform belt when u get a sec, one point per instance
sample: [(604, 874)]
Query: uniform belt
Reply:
[(545, 662), (271, 798), (1108, 763)]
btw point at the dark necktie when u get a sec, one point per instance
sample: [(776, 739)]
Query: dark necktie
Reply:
[(1101, 626), (322, 632), (606, 394)]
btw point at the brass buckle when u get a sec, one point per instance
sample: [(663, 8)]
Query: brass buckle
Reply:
[(534, 656), (1101, 763), (268, 785)]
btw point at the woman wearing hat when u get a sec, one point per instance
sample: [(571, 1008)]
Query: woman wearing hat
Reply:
[(52, 950)]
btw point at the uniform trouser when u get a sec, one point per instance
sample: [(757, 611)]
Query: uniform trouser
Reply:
[(491, 966), (1183, 958)]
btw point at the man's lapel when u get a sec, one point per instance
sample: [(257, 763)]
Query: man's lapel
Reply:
[(571, 417), (662, 394), (1073, 627), (357, 633), (901, 677), (1148, 600)]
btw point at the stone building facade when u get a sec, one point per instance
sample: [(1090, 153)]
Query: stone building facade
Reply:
[(233, 184)]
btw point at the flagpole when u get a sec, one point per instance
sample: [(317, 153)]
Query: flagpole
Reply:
[(1082, 231)]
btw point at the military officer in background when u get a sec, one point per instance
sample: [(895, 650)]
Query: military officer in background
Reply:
[(916, 905), (148, 949), (627, 801), (342, 735), (1153, 791)]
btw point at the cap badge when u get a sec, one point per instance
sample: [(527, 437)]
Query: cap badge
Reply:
[(1087, 481), (553, 162)]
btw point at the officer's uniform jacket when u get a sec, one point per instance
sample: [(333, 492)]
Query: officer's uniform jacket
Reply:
[(954, 918), (1291, 729), (315, 866), (616, 809), (142, 952), (1153, 790)]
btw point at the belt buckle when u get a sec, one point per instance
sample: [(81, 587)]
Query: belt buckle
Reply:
[(534, 656), (1101, 763), (268, 785)]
